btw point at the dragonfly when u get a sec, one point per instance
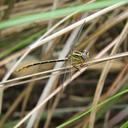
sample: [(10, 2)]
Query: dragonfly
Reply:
[(77, 58)]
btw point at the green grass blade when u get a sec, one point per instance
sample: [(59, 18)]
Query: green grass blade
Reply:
[(57, 13), (21, 44), (125, 125), (91, 108)]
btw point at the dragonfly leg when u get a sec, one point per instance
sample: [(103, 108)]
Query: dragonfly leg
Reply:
[(77, 68)]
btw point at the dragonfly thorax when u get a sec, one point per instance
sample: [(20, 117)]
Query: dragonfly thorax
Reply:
[(79, 57)]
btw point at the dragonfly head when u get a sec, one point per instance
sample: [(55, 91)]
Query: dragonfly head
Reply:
[(85, 54)]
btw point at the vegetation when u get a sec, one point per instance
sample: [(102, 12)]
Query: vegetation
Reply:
[(65, 94)]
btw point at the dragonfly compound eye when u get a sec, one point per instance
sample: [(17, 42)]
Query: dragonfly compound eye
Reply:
[(85, 54)]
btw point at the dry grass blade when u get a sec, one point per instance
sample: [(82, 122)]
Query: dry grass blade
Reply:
[(34, 75), (104, 73), (116, 84), (11, 82), (32, 80)]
